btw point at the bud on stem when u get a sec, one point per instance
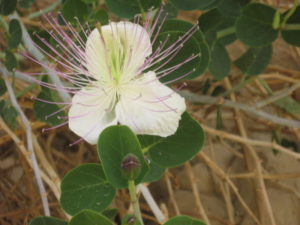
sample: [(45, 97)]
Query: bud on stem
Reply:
[(131, 167)]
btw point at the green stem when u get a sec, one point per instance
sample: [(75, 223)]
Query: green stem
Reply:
[(291, 27), (24, 91), (144, 16), (134, 201), (265, 86), (290, 13), (245, 80), (225, 32), (46, 10)]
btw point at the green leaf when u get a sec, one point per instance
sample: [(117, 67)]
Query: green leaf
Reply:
[(2, 105), (194, 4), (292, 36), (47, 220), (75, 8), (86, 187), (89, 1), (155, 172), (100, 16), (110, 213), (254, 60), (173, 29), (2, 87), (220, 63), (213, 23), (129, 8), (114, 144), (231, 8), (289, 104), (10, 61), (178, 148), (43, 110), (9, 115), (254, 26), (15, 33), (89, 217), (171, 10), (183, 220), (7, 6)]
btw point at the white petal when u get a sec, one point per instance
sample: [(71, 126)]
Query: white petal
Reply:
[(90, 113), (149, 107), (124, 45)]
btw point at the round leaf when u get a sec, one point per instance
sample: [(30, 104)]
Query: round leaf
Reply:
[(231, 8), (254, 26), (186, 220), (129, 8), (89, 217), (15, 33), (293, 36), (100, 16), (47, 220), (155, 172), (176, 149), (254, 60), (173, 29), (220, 62), (86, 187), (2, 86), (75, 8), (7, 6), (114, 144), (212, 23)]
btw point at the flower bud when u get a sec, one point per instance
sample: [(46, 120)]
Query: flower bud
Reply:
[(131, 167)]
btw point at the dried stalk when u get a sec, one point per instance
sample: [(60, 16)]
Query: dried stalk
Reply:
[(30, 148)]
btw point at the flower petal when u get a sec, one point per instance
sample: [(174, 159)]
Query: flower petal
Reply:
[(91, 112), (149, 107), (120, 50)]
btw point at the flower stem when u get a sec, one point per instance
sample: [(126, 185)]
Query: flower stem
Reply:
[(134, 201), (291, 27), (225, 32), (290, 13)]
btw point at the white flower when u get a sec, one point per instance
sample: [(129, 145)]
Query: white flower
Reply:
[(121, 92), (112, 78)]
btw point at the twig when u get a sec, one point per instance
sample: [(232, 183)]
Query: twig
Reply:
[(265, 176), (223, 185), (278, 96), (27, 126), (171, 193), (254, 164), (39, 56), (246, 108), (240, 139), (193, 183), (151, 203), (223, 175), (26, 154)]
